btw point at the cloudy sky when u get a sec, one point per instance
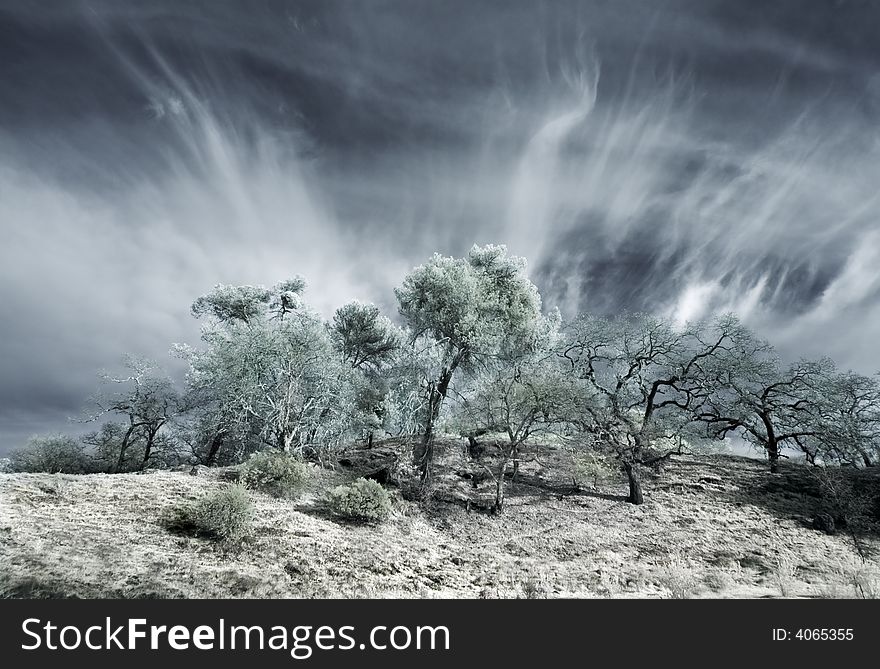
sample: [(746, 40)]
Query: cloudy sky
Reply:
[(676, 156)]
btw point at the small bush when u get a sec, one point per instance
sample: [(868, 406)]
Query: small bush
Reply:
[(534, 587), (364, 500), (6, 466), (593, 469), (225, 515), (277, 474), (679, 579), (784, 573), (55, 454)]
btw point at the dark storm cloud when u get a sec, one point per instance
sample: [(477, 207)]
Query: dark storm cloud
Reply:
[(680, 157)]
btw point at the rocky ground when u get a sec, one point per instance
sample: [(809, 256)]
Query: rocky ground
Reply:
[(712, 526)]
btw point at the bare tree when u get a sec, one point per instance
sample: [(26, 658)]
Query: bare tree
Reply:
[(640, 380), (750, 393), (145, 401), (526, 399), (848, 413)]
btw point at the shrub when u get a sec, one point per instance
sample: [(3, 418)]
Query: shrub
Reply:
[(224, 515), (6, 466), (364, 500), (277, 474), (678, 578), (534, 587), (54, 454), (593, 469), (784, 573)]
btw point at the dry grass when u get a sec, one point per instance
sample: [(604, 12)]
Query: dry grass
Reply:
[(680, 579), (106, 536), (785, 571), (853, 578)]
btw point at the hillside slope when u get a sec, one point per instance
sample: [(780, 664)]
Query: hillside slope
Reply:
[(712, 526)]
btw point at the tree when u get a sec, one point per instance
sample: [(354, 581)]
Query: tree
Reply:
[(848, 418), (640, 378), (105, 444), (525, 399), (472, 309), (270, 373), (228, 304), (407, 378), (146, 402), (370, 343), (365, 338), (749, 392), (55, 454)]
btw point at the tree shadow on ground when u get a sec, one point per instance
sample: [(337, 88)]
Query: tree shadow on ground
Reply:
[(807, 495), (319, 507), (527, 485)]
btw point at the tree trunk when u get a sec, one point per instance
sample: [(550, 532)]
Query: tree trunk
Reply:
[(499, 488), (216, 442), (423, 453), (123, 448), (773, 456), (151, 440), (282, 441), (473, 447), (420, 448), (427, 459), (148, 450), (772, 443), (635, 483)]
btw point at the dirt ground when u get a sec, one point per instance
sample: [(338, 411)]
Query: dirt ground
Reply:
[(712, 526)]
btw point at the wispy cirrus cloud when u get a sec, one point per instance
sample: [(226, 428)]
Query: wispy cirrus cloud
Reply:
[(684, 159)]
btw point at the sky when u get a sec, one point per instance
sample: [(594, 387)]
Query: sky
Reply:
[(681, 157)]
